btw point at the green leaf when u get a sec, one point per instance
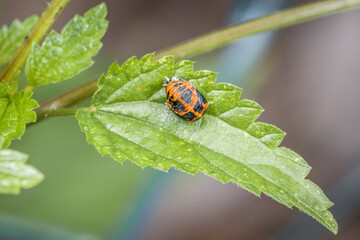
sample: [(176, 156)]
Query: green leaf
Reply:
[(129, 120), (14, 173), (15, 111), (63, 56), (12, 37)]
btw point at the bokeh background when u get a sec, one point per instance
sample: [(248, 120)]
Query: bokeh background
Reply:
[(305, 76)]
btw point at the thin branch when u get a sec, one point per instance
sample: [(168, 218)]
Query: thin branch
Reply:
[(55, 113), (41, 28), (271, 22), (71, 97)]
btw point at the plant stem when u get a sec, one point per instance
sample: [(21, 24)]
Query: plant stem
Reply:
[(279, 20), (71, 97), (55, 113), (218, 39), (41, 28)]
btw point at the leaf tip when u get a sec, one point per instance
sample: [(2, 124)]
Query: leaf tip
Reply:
[(100, 11)]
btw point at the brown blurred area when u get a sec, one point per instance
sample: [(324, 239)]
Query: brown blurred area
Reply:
[(136, 27), (311, 92)]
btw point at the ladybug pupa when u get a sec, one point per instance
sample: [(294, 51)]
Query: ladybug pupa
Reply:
[(184, 100)]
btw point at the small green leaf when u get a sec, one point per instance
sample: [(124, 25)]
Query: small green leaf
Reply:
[(129, 120), (63, 56), (15, 111), (15, 174), (11, 38)]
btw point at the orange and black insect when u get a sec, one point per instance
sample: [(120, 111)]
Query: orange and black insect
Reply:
[(184, 100)]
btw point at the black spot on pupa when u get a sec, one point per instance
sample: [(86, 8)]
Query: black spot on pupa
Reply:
[(180, 89), (177, 106), (198, 107), (201, 97), (186, 96), (188, 116), (170, 99)]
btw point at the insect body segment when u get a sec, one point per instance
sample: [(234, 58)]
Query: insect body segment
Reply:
[(184, 100)]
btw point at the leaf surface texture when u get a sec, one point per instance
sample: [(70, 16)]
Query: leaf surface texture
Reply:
[(13, 36), (63, 56)]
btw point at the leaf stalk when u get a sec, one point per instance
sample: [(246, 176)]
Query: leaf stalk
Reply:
[(42, 114)]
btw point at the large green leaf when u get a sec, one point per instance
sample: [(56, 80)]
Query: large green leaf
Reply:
[(129, 120), (14, 173), (15, 111), (12, 37), (63, 56)]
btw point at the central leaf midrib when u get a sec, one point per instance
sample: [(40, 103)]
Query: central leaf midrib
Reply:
[(134, 119), (299, 164), (102, 124), (197, 167)]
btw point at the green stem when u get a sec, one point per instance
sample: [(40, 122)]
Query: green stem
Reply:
[(218, 39), (71, 97), (42, 114), (279, 20), (41, 28)]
